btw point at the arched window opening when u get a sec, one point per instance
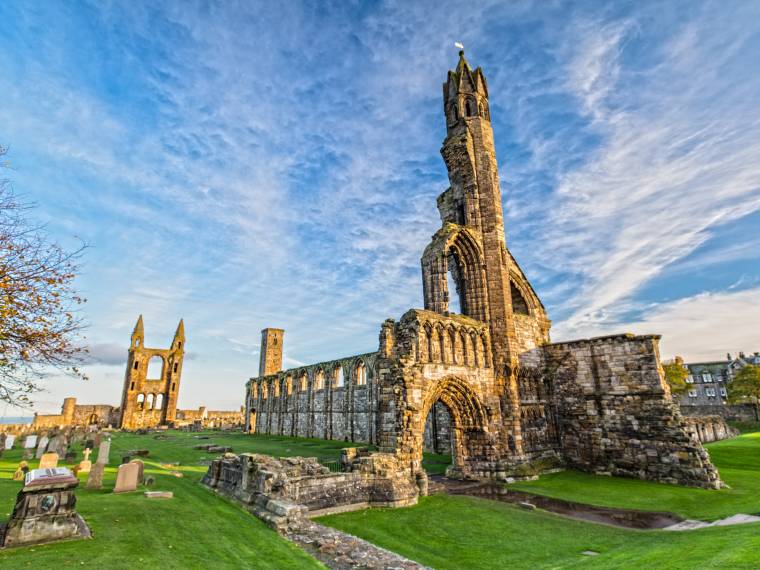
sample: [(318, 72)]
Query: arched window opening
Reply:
[(264, 392), (319, 380), (137, 342), (453, 342), (160, 402), (469, 108), (174, 385), (289, 385), (179, 345), (361, 374), (277, 389), (176, 366), (441, 345), (140, 401), (519, 304), (92, 420), (254, 390), (429, 344), (338, 377), (155, 368), (137, 363), (304, 382), (454, 112), (455, 284)]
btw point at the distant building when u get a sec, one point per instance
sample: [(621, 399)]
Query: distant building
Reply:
[(709, 386), (708, 381)]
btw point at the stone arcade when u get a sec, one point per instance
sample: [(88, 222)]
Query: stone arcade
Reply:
[(513, 402)]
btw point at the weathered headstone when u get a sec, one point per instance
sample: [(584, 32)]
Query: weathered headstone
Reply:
[(58, 444), (126, 478), (41, 446), (9, 439), (30, 442), (85, 465), (159, 494), (141, 472), (90, 443), (44, 510), (95, 478), (49, 461), (103, 451)]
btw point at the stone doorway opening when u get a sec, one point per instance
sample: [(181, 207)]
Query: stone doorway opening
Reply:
[(438, 442)]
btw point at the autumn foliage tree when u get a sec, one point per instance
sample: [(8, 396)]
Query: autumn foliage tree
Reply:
[(675, 375), (39, 326), (745, 385)]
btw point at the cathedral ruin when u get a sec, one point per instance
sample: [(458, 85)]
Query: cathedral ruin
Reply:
[(487, 385)]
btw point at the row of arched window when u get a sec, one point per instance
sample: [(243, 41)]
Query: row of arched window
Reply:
[(150, 402), (471, 109), (301, 383), (453, 345)]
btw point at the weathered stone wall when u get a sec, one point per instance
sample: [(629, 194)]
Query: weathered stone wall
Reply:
[(709, 428), (329, 400), (731, 412), (73, 414), (279, 490), (615, 414)]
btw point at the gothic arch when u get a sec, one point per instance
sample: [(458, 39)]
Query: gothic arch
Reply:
[(468, 417), (456, 249)]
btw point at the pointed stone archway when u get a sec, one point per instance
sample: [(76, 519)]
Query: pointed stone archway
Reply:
[(469, 420)]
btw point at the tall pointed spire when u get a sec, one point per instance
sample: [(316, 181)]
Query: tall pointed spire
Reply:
[(138, 334), (179, 335)]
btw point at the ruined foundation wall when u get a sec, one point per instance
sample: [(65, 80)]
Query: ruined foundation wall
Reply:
[(615, 414), (706, 429)]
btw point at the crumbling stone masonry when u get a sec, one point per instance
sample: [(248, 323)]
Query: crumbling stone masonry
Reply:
[(516, 402)]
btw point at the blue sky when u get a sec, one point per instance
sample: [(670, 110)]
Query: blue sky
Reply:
[(248, 164)]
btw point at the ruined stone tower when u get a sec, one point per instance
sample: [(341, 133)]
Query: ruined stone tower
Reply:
[(270, 360), (151, 401), (487, 383)]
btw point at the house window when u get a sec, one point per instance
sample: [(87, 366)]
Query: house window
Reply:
[(710, 392), (707, 378), (692, 393), (690, 379)]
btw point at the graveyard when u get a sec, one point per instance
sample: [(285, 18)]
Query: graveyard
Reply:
[(131, 530)]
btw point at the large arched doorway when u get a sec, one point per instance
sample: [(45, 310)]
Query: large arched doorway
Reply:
[(467, 419), (438, 440)]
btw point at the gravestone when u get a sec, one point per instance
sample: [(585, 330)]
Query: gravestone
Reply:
[(9, 439), (49, 461), (95, 479), (103, 451), (70, 456), (90, 443), (44, 510), (126, 478), (141, 471), (85, 465), (58, 444), (42, 446), (30, 442)]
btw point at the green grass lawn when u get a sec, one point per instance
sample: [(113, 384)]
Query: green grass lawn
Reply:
[(737, 459), (198, 529), (455, 532), (195, 529)]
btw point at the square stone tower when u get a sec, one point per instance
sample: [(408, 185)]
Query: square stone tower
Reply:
[(271, 351)]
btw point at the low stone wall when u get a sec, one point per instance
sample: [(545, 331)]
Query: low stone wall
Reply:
[(709, 428), (283, 491), (731, 412)]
